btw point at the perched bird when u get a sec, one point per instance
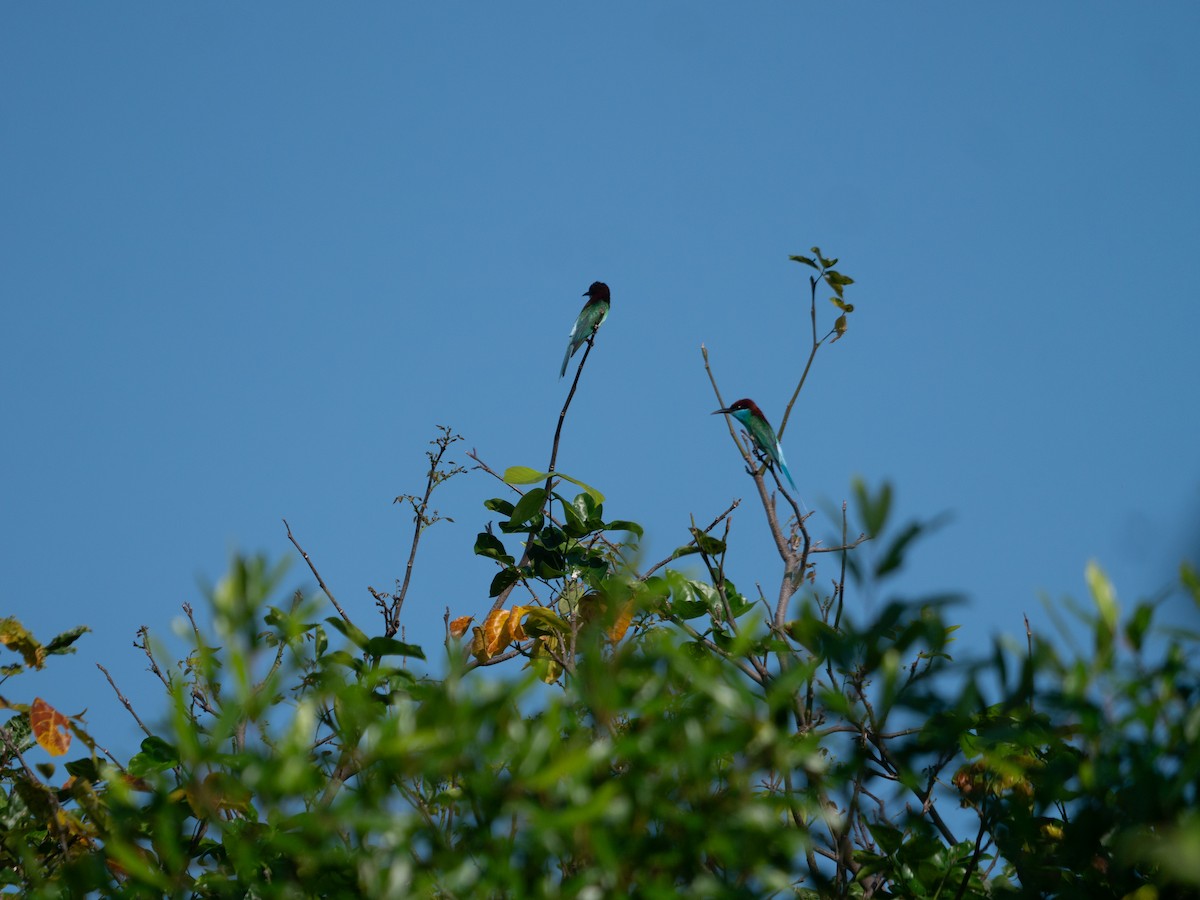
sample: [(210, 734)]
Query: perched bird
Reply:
[(747, 412), (591, 317)]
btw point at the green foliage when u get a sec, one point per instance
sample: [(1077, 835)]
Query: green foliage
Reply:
[(660, 768)]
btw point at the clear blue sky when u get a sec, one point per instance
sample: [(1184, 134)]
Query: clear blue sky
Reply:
[(252, 254)]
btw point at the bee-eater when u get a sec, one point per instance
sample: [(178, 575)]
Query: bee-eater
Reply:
[(591, 317), (747, 412)]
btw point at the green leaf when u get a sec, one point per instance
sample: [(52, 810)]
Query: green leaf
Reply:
[(585, 507), (552, 537), (546, 563), (342, 658), (504, 578), (683, 597), (805, 260), (489, 545), (355, 634), (738, 604), (84, 768), (1190, 580), (575, 525), (510, 527), (813, 635), (61, 643), (156, 756), (1105, 596), (596, 495), (539, 620), (707, 543), (887, 836), (526, 475), (523, 475), (652, 592), (529, 506), (496, 504), (386, 646), (839, 303), (872, 511), (893, 557), (1139, 624), (623, 525)]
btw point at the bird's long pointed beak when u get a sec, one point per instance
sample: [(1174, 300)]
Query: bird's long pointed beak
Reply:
[(715, 411)]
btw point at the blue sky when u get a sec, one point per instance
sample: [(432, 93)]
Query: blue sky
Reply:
[(254, 254)]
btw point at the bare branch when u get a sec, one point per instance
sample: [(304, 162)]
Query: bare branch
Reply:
[(422, 520), (316, 574), (124, 701)]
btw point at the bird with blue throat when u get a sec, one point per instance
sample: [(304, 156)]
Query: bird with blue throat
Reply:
[(591, 317), (747, 412)]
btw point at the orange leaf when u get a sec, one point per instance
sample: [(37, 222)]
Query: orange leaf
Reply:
[(459, 626), (496, 635), (617, 629), (50, 727), (514, 623)]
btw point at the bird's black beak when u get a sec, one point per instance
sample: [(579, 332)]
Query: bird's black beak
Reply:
[(715, 411)]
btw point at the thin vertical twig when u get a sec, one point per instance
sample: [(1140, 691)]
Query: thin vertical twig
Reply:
[(500, 600), (316, 574), (812, 354), (562, 416), (422, 521)]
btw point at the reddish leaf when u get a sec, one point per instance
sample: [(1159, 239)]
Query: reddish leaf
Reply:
[(50, 727), (459, 626)]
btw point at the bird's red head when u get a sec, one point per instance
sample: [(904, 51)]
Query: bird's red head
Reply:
[(598, 291), (747, 404)]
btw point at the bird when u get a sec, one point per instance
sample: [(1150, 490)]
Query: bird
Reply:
[(591, 317), (747, 412)]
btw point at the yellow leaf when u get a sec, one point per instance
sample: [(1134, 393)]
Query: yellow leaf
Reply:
[(478, 644), (459, 626), (543, 659), (617, 629), (14, 636)]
